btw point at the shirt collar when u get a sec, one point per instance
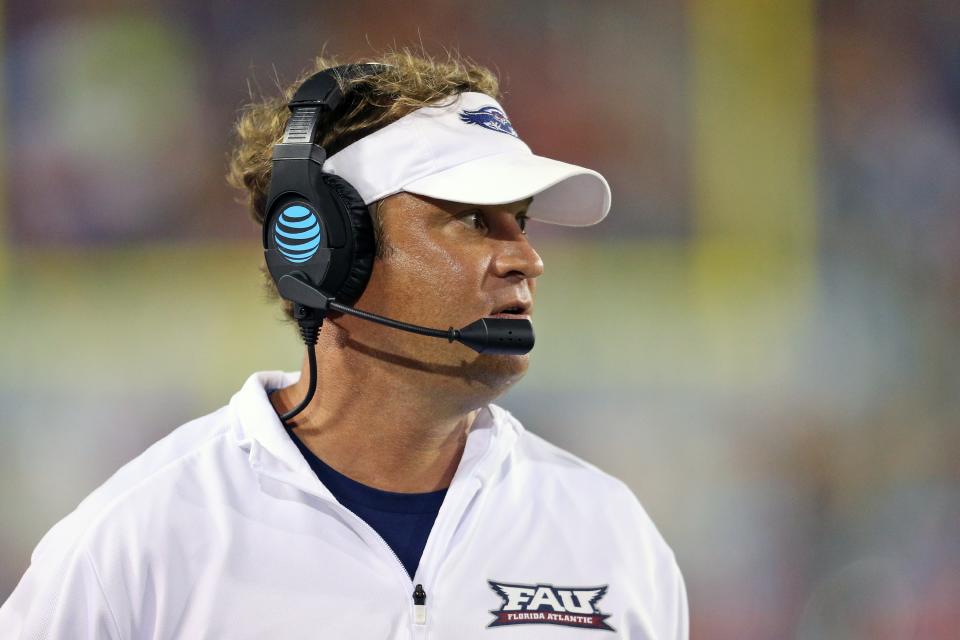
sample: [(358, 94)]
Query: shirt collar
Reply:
[(272, 452)]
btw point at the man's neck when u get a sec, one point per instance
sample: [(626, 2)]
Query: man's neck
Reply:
[(380, 425)]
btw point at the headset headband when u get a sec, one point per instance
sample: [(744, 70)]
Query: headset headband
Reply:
[(318, 93)]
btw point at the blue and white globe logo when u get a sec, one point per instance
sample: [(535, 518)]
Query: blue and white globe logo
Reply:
[(297, 233)]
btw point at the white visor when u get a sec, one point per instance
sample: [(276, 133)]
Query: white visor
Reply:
[(463, 149)]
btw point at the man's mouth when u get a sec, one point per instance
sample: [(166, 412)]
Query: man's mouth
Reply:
[(516, 312)]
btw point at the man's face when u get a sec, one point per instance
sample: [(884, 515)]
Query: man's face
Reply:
[(447, 264)]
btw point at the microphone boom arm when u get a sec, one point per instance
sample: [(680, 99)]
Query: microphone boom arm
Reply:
[(503, 336)]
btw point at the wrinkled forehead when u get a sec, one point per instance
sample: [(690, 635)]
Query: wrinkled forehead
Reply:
[(415, 202)]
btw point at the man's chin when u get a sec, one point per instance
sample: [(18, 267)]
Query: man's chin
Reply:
[(497, 372)]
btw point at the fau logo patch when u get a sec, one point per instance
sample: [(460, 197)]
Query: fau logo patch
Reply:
[(489, 118), (546, 604)]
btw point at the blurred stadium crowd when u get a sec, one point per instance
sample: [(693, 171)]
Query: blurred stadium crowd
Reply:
[(812, 494)]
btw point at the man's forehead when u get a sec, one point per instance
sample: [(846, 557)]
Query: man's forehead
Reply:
[(462, 205), (521, 204), (405, 199)]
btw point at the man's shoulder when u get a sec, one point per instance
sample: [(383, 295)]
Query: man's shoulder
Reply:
[(137, 482), (550, 462), (560, 477), (596, 511)]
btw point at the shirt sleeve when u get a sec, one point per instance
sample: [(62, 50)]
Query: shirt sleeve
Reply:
[(59, 598)]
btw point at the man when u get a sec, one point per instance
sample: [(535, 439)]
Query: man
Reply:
[(399, 502)]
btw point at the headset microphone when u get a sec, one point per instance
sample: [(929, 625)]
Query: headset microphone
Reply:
[(318, 238), (501, 336)]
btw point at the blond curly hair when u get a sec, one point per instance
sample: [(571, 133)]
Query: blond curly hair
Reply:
[(410, 81)]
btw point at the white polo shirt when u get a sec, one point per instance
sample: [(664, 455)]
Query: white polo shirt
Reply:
[(222, 530)]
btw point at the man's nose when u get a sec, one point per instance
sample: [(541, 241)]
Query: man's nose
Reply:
[(518, 257)]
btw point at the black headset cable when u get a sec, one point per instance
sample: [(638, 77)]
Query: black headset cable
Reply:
[(310, 321)]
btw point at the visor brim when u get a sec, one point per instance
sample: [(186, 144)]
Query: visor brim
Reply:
[(563, 193)]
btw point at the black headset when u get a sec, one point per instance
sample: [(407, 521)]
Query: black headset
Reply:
[(317, 229)]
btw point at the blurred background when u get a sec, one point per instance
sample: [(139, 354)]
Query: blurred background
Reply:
[(761, 339)]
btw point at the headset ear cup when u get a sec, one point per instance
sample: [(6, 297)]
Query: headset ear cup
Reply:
[(361, 231)]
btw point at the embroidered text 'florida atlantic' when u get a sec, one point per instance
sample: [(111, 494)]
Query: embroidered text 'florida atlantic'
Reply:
[(546, 604)]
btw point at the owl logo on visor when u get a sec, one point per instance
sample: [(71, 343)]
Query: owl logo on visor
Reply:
[(489, 117), (297, 233)]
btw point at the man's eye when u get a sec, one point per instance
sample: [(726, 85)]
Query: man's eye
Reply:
[(475, 219), (522, 221)]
